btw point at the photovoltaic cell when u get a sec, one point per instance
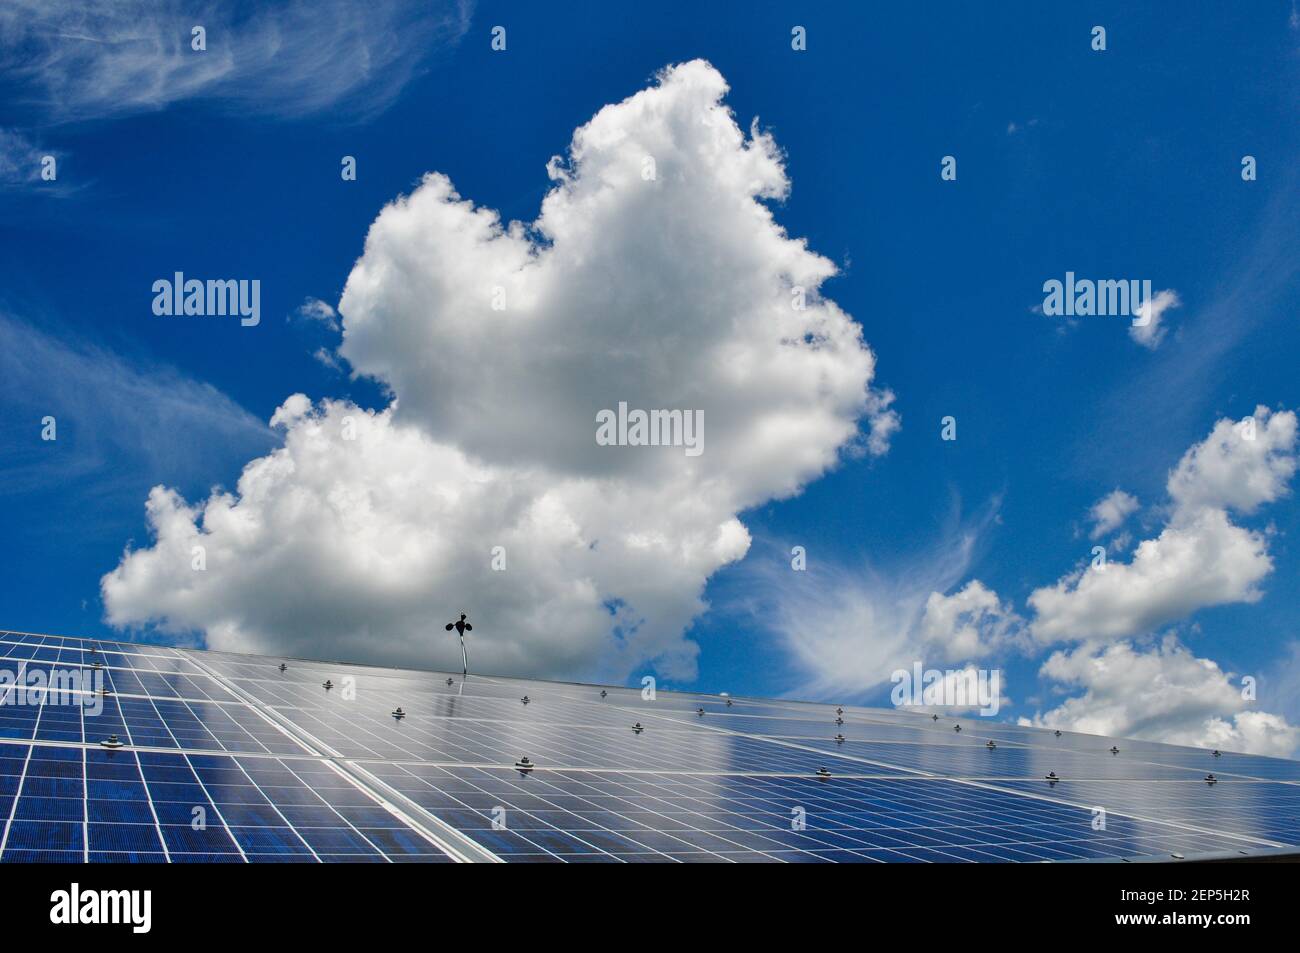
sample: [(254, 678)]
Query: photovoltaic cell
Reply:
[(226, 758)]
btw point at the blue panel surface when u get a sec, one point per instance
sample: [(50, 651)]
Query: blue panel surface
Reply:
[(227, 758)]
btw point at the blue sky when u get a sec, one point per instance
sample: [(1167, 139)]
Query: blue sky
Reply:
[(1111, 164)]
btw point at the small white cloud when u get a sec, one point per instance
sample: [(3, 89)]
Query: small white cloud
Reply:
[(1110, 512), (294, 408), (1166, 694), (1150, 328), (971, 623), (314, 309), (325, 356), (1240, 465), (1200, 558), (1199, 561)]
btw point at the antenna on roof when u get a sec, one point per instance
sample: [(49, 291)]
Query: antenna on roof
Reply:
[(461, 626)]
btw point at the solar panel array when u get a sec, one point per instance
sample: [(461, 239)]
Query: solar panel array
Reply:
[(115, 752)]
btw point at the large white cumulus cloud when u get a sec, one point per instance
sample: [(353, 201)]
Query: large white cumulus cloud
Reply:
[(673, 290), (654, 275), (359, 535)]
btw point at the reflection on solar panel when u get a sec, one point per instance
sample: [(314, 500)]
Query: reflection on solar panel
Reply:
[(124, 752)]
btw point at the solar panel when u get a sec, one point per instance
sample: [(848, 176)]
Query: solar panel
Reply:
[(128, 752)]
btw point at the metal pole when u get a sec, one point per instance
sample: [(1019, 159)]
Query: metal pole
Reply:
[(463, 657)]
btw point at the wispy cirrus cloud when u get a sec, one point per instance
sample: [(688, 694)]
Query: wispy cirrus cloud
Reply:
[(71, 61), (120, 421), (20, 158), (23, 161), (1253, 298), (848, 628)]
